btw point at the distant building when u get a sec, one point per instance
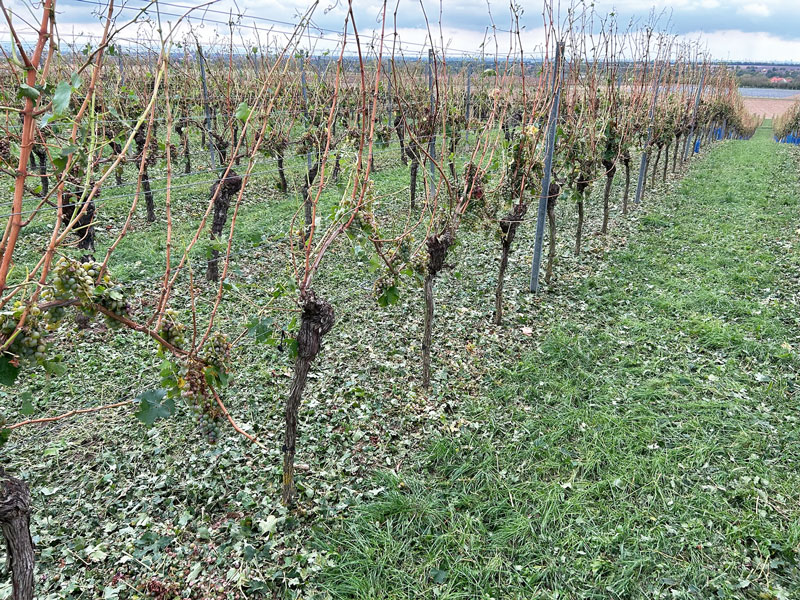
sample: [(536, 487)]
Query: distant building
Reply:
[(780, 80)]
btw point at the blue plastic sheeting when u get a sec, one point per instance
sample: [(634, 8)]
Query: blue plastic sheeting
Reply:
[(792, 138), (697, 146)]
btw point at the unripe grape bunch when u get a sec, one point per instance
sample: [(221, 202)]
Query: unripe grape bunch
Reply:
[(201, 402), (74, 279), (172, 330), (218, 352), (29, 344)]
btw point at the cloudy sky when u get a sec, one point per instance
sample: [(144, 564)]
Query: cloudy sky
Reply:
[(736, 30)]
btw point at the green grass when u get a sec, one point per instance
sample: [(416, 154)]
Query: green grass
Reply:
[(648, 448), (650, 410)]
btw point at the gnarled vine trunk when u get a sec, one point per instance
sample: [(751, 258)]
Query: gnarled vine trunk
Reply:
[(148, 196), (316, 320), (221, 146), (655, 167), (611, 169), (398, 127), (582, 186), (666, 165), (40, 153), (626, 161), (227, 189), (83, 227), (187, 152), (552, 196), (180, 129), (675, 152), (413, 183), (508, 229), (282, 185), (648, 154), (438, 246), (141, 138), (116, 148), (308, 202), (15, 523), (236, 142)]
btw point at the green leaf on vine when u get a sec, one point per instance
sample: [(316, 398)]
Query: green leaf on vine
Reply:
[(8, 370), (154, 405), (215, 377), (60, 160), (61, 98), (26, 91), (27, 408), (389, 296), (4, 433), (54, 367), (291, 345), (243, 112), (262, 330)]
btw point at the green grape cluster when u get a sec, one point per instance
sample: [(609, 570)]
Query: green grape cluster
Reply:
[(81, 280), (383, 283), (29, 344), (113, 299), (204, 409), (73, 279), (171, 330), (218, 351), (53, 315), (419, 263)]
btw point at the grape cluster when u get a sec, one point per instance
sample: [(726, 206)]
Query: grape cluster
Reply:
[(204, 409), (73, 279), (383, 283), (419, 263), (53, 315), (113, 299), (218, 351), (171, 330), (29, 345)]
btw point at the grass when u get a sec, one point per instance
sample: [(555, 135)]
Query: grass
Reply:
[(648, 448), (620, 436)]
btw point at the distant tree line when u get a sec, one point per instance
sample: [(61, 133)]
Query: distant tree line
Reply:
[(761, 76)]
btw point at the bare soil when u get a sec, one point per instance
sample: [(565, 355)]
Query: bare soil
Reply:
[(770, 107)]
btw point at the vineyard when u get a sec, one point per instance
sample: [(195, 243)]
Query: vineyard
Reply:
[(296, 312)]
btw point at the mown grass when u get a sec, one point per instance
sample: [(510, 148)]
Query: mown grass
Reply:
[(122, 510), (648, 448)]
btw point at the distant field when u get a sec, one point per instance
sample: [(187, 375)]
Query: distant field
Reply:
[(768, 93), (769, 102), (769, 107)]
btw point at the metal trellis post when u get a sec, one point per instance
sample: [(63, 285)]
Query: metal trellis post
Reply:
[(121, 70), (690, 137), (552, 127), (432, 142), (643, 164), (207, 108), (305, 106), (468, 99)]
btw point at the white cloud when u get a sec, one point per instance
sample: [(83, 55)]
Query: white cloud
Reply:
[(730, 37), (736, 45), (755, 9)]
